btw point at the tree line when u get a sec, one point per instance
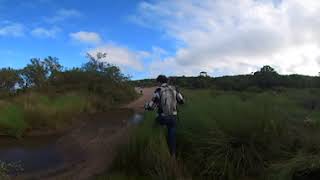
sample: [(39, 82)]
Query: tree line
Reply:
[(265, 78), (49, 76)]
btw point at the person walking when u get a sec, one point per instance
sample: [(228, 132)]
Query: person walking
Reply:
[(165, 99)]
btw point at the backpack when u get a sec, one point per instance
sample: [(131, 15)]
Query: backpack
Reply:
[(168, 101)]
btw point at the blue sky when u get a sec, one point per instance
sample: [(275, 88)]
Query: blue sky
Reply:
[(146, 38), (55, 22)]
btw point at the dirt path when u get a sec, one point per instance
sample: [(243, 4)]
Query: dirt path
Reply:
[(138, 105), (91, 146)]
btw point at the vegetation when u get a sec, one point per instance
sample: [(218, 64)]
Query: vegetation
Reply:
[(232, 135), (45, 96), (262, 126), (6, 168), (264, 79)]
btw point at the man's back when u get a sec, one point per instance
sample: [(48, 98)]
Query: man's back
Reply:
[(166, 98)]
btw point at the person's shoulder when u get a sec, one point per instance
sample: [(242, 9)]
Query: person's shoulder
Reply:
[(157, 90)]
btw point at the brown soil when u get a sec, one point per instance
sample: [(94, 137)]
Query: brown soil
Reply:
[(138, 105), (91, 146)]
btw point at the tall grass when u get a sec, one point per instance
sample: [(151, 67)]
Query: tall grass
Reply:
[(36, 111), (230, 135), (55, 112), (147, 154), (11, 119)]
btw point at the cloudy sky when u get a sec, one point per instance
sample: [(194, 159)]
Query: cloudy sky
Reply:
[(173, 37)]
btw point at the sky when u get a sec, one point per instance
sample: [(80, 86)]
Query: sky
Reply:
[(172, 37)]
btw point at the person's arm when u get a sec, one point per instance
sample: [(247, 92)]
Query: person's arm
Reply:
[(154, 101), (180, 98)]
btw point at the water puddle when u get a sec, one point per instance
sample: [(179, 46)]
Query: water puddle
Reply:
[(31, 154), (38, 154), (136, 118)]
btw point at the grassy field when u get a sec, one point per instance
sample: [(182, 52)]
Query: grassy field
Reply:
[(39, 112), (230, 135), (35, 111)]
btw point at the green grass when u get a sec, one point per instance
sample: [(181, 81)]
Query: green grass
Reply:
[(147, 154), (11, 120), (54, 113), (230, 135), (121, 176), (36, 111)]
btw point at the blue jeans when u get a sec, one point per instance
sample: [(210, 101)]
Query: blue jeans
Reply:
[(171, 123)]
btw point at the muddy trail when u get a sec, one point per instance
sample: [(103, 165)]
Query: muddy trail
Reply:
[(89, 148)]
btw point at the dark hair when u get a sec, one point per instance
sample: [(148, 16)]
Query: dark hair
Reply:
[(162, 79)]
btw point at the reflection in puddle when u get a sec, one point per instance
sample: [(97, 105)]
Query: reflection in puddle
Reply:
[(137, 118)]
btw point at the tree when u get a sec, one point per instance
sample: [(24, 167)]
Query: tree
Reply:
[(267, 77), (95, 63), (35, 74), (9, 80), (39, 73)]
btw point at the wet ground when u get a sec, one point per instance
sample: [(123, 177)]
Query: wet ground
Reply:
[(32, 154), (46, 156), (79, 154)]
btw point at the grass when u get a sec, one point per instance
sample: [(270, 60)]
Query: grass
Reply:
[(6, 168), (34, 111), (231, 135), (147, 154), (121, 176), (54, 113), (41, 112), (11, 121)]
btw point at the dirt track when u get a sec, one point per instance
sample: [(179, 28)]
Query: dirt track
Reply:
[(91, 146), (138, 104)]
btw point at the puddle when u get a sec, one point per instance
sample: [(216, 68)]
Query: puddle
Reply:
[(32, 154), (37, 154), (137, 118)]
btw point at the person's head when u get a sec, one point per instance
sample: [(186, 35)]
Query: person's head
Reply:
[(162, 79)]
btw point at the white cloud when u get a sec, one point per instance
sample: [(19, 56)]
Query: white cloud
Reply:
[(63, 14), (11, 29), (123, 57), (236, 36), (45, 33), (86, 37)]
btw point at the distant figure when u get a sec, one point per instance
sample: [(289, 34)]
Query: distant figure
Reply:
[(165, 99), (141, 91)]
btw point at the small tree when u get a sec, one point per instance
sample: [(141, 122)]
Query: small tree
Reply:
[(266, 77), (9, 80)]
